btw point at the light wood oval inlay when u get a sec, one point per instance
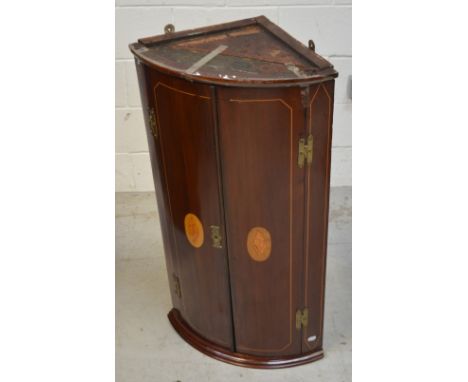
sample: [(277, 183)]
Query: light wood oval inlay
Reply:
[(194, 230), (259, 243)]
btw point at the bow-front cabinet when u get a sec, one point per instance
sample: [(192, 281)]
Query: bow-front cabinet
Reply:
[(239, 125)]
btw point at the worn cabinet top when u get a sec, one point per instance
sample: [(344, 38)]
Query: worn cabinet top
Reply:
[(247, 52)]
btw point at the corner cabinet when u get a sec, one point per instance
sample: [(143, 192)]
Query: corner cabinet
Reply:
[(239, 125)]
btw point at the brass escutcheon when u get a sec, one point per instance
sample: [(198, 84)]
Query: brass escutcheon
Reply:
[(216, 236)]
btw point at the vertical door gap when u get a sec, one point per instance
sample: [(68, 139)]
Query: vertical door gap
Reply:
[(222, 207)]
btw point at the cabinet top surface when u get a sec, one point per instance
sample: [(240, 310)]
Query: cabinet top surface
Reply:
[(251, 51)]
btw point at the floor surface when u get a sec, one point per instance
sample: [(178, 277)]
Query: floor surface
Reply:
[(147, 347)]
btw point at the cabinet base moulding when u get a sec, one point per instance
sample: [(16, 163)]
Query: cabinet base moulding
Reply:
[(222, 354)]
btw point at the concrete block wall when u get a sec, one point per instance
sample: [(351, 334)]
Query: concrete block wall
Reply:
[(327, 22)]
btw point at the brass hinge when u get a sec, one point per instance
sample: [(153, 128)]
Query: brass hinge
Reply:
[(216, 236), (177, 290), (305, 151), (152, 122), (302, 318)]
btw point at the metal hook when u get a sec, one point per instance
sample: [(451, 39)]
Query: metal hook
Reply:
[(169, 28), (312, 45)]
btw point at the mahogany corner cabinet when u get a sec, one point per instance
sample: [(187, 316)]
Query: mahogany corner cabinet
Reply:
[(239, 124)]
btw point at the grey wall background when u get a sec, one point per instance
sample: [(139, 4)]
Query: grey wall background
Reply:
[(327, 22)]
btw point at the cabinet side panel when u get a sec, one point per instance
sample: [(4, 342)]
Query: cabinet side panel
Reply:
[(184, 114), (320, 118), (263, 198), (147, 101)]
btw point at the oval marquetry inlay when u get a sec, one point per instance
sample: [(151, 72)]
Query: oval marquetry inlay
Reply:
[(259, 243), (194, 230)]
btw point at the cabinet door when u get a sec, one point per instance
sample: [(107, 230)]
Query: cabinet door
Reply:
[(185, 134), (259, 130)]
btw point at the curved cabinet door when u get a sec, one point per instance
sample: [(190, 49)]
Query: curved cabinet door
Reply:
[(185, 133), (259, 130)]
